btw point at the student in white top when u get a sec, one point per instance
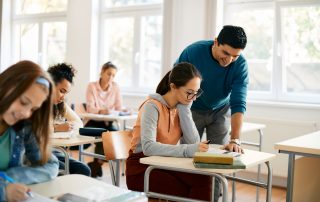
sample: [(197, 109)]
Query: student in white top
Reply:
[(65, 119)]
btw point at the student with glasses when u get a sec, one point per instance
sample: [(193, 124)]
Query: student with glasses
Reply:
[(157, 132), (224, 85)]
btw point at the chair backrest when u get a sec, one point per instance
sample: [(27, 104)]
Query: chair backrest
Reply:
[(116, 144)]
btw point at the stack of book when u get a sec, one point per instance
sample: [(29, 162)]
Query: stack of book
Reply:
[(218, 159)]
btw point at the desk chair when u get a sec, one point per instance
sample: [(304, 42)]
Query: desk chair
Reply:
[(116, 146)]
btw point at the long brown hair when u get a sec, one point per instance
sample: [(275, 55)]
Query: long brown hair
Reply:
[(14, 81)]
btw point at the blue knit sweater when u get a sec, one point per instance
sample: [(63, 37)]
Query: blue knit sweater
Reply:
[(221, 85)]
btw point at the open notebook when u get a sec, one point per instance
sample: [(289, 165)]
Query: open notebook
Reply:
[(63, 135)]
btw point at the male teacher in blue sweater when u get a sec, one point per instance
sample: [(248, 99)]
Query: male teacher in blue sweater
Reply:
[(225, 80)]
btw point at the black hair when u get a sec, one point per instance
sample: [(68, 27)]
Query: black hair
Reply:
[(233, 36), (61, 71), (180, 75), (58, 72)]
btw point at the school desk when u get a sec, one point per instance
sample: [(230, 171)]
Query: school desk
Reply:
[(75, 140), (307, 145), (87, 187), (120, 120), (250, 158)]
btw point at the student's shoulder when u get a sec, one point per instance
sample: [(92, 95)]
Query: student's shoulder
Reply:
[(200, 44)]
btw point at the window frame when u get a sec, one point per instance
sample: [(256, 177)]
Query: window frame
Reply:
[(136, 12), (277, 86), (40, 19)]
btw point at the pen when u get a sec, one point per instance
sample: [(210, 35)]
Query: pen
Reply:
[(208, 141), (10, 180), (6, 177)]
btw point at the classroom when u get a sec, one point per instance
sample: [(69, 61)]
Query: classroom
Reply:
[(241, 75)]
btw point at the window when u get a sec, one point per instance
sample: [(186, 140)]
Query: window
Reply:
[(39, 31), (283, 50), (131, 37)]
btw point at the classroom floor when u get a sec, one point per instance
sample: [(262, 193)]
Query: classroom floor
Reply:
[(245, 193)]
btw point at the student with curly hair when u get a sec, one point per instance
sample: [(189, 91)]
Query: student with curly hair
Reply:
[(65, 119)]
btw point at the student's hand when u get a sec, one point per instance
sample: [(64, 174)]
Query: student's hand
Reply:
[(16, 192), (104, 111), (203, 146), (127, 111), (63, 127), (233, 147)]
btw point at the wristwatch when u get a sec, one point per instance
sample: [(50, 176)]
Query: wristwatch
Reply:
[(235, 141)]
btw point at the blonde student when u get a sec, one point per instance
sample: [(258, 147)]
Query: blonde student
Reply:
[(103, 97), (25, 113), (158, 131)]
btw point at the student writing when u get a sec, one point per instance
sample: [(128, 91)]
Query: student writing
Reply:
[(157, 132), (25, 113)]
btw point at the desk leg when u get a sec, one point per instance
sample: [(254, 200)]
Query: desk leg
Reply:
[(118, 162), (269, 182), (259, 166), (223, 180), (80, 153), (290, 177)]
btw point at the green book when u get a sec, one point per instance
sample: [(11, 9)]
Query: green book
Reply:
[(237, 164)]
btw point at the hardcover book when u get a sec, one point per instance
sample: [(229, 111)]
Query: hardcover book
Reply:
[(237, 164)]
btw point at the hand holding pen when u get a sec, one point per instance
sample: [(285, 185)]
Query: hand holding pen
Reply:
[(204, 146), (15, 191)]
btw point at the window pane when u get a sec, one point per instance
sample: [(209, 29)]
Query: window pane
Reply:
[(26, 45), (54, 49), (258, 24), (116, 3), (150, 64), (40, 6), (118, 47), (301, 48)]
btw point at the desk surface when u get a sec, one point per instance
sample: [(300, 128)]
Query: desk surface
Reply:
[(109, 117), (248, 127), (309, 143), (80, 184), (249, 158), (74, 141)]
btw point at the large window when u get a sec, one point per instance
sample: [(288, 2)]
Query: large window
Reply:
[(283, 48), (39, 31), (131, 37)]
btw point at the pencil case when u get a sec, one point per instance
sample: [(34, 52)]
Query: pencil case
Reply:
[(90, 131)]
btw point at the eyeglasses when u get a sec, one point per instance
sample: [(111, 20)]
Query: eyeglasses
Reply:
[(191, 94)]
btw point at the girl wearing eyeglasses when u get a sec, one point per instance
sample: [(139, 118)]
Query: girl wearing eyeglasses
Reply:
[(158, 131)]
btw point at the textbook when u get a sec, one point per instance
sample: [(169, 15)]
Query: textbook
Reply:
[(206, 157), (237, 164)]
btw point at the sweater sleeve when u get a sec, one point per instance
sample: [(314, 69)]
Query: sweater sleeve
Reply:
[(150, 146), (90, 99), (238, 97), (188, 127), (71, 116), (35, 174)]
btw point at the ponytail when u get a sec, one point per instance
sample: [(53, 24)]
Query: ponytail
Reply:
[(164, 85)]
